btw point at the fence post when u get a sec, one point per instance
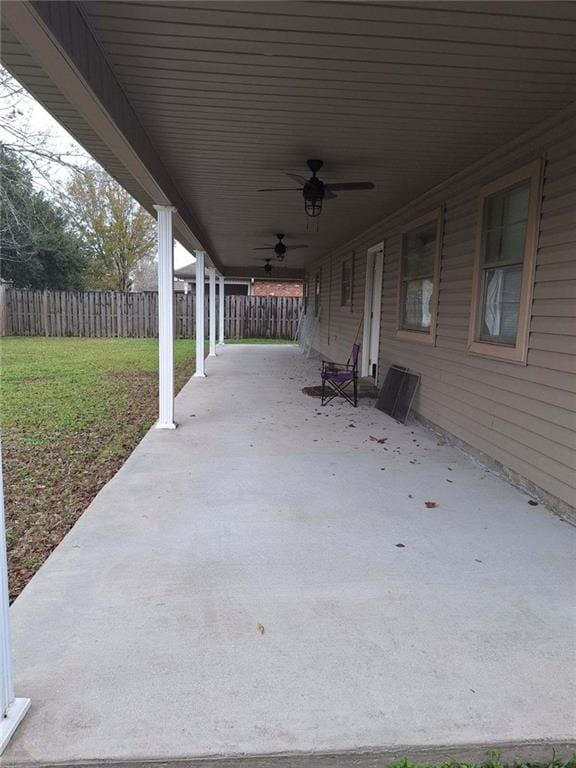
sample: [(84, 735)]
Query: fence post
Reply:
[(118, 308), (3, 311), (45, 312)]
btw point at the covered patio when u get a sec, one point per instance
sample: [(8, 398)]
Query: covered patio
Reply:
[(267, 580), (239, 590)]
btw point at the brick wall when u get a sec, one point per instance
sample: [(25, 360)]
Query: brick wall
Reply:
[(284, 288)]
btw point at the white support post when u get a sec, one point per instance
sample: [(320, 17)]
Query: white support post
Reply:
[(200, 277), (165, 317), (12, 710), (221, 311), (212, 311)]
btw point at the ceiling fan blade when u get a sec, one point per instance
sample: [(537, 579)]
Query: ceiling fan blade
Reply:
[(349, 186), (264, 248), (328, 194), (282, 189), (296, 177), (294, 247)]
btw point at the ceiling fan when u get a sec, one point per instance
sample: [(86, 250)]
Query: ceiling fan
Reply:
[(267, 266), (314, 190), (280, 248)]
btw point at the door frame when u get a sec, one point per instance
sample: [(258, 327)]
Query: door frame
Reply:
[(372, 304)]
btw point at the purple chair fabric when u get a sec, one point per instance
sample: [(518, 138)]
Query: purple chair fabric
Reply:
[(341, 379)]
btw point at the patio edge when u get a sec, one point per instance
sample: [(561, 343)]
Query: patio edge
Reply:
[(535, 752)]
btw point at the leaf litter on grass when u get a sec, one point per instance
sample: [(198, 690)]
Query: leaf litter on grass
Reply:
[(67, 430)]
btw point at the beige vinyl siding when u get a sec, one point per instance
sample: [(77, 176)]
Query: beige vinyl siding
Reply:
[(521, 416), (336, 331)]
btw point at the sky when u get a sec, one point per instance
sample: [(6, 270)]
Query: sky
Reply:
[(37, 119)]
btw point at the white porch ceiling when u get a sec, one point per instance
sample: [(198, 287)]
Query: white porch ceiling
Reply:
[(232, 95)]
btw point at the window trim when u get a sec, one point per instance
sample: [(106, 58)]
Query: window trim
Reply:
[(517, 353), (423, 337), (317, 292)]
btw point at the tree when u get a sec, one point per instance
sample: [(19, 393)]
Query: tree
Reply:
[(46, 149), (37, 250), (117, 232), (53, 191)]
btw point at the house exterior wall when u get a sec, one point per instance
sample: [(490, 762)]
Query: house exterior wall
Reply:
[(521, 416)]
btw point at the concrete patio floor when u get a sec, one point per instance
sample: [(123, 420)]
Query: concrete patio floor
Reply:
[(238, 589)]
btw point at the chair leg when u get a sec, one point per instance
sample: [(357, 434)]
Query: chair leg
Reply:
[(355, 393), (323, 390)]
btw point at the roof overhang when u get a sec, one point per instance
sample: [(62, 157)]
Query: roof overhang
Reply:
[(59, 38), (198, 105)]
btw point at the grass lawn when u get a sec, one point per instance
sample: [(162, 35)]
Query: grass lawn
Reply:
[(493, 761), (72, 411)]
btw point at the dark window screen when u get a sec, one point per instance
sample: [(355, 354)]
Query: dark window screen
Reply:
[(397, 392)]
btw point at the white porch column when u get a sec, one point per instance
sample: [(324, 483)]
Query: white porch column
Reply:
[(165, 317), (12, 710), (212, 311), (221, 310), (200, 277)]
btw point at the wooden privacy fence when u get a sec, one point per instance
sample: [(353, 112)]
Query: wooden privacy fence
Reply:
[(113, 313)]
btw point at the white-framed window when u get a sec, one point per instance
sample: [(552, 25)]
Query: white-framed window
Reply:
[(419, 275), (506, 244)]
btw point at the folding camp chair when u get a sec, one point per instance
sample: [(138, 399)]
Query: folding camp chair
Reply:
[(340, 378)]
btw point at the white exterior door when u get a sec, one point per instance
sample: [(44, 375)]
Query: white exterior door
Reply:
[(372, 303)]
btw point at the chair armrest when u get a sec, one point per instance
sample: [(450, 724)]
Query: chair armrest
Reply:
[(330, 366)]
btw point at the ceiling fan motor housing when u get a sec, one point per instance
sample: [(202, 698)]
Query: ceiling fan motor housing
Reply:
[(314, 165)]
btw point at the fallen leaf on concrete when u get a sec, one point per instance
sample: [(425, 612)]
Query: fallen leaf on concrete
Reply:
[(378, 439), (532, 503), (431, 504), (260, 628), (440, 443), (351, 425), (400, 545)]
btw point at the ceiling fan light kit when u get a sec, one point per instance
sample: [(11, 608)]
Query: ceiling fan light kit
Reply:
[(315, 191)]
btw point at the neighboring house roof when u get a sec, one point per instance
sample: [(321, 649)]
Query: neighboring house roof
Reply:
[(187, 272)]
